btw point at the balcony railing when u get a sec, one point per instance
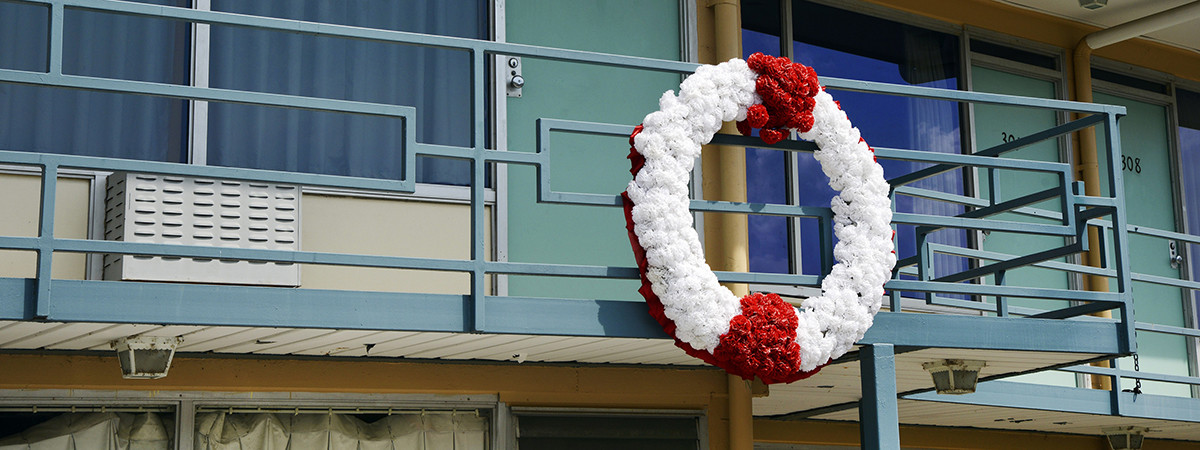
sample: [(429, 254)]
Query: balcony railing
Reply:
[(480, 310)]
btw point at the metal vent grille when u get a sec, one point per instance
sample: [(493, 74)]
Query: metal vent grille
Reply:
[(199, 211)]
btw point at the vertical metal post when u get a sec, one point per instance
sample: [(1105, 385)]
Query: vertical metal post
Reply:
[(185, 431), (894, 295), (475, 303), (1001, 301), (55, 62), (1120, 238), (924, 260), (878, 419), (201, 49), (45, 251)]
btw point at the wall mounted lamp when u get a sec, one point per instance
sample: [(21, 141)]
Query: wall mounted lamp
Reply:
[(954, 376), (145, 357), (1125, 438)]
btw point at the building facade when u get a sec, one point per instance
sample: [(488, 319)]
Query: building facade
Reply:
[(397, 224)]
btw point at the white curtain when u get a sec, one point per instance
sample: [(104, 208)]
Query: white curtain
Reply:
[(95, 431), (264, 431)]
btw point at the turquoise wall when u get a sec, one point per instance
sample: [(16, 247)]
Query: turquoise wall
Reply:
[(569, 234)]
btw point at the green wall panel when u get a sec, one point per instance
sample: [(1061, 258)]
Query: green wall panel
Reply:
[(1149, 201), (993, 126), (581, 234)]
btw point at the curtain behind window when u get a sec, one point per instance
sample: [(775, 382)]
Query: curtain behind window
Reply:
[(436, 431), (96, 431), (434, 81), (77, 122)]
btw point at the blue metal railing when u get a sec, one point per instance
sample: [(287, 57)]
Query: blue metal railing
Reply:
[(478, 311)]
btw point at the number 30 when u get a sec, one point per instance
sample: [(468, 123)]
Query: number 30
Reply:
[(1131, 164)]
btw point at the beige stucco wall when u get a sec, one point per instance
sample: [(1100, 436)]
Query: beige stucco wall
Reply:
[(20, 203), (329, 223), (373, 226)]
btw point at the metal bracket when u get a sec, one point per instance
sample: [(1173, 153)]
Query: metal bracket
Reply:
[(1176, 258), (512, 72)]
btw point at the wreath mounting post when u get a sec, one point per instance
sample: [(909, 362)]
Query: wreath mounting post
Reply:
[(759, 335)]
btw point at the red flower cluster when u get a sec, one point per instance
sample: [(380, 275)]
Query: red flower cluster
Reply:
[(762, 341), (787, 91)]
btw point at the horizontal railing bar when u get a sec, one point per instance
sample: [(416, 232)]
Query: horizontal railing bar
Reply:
[(519, 268), (1166, 234), (1009, 264), (1002, 148), (967, 96), (372, 34), (1095, 201), (324, 29), (975, 202), (585, 127), (1002, 207), (1165, 281), (1167, 378), (1149, 231), (1015, 203), (766, 209), (1077, 310), (996, 256), (970, 160), (376, 261), (981, 306), (982, 224), (1167, 329), (206, 93), (1003, 291), (768, 278), (263, 255), (233, 173)]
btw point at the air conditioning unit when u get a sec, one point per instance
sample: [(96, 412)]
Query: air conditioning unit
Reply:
[(201, 211)]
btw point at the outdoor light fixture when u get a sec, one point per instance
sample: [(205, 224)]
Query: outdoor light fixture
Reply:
[(145, 357), (954, 376), (1125, 438), (1093, 4)]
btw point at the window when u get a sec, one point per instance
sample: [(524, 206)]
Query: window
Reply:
[(1188, 106), (76, 122), (586, 431), (334, 429), (832, 42), (97, 44), (87, 427), (84, 419)]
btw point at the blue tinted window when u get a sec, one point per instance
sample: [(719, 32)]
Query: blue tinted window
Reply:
[(1188, 105), (832, 42), (766, 182), (23, 31), (56, 120), (434, 81)]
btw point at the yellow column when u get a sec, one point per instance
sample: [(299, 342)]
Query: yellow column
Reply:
[(726, 235), (1087, 169)]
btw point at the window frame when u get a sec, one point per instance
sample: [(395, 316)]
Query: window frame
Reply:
[(186, 404), (196, 146), (512, 418), (796, 293)]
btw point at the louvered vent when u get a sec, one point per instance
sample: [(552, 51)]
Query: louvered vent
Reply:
[(199, 211)]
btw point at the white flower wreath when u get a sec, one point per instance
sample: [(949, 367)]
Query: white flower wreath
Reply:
[(702, 309)]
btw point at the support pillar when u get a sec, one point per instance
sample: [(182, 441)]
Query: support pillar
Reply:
[(741, 414), (878, 419)]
